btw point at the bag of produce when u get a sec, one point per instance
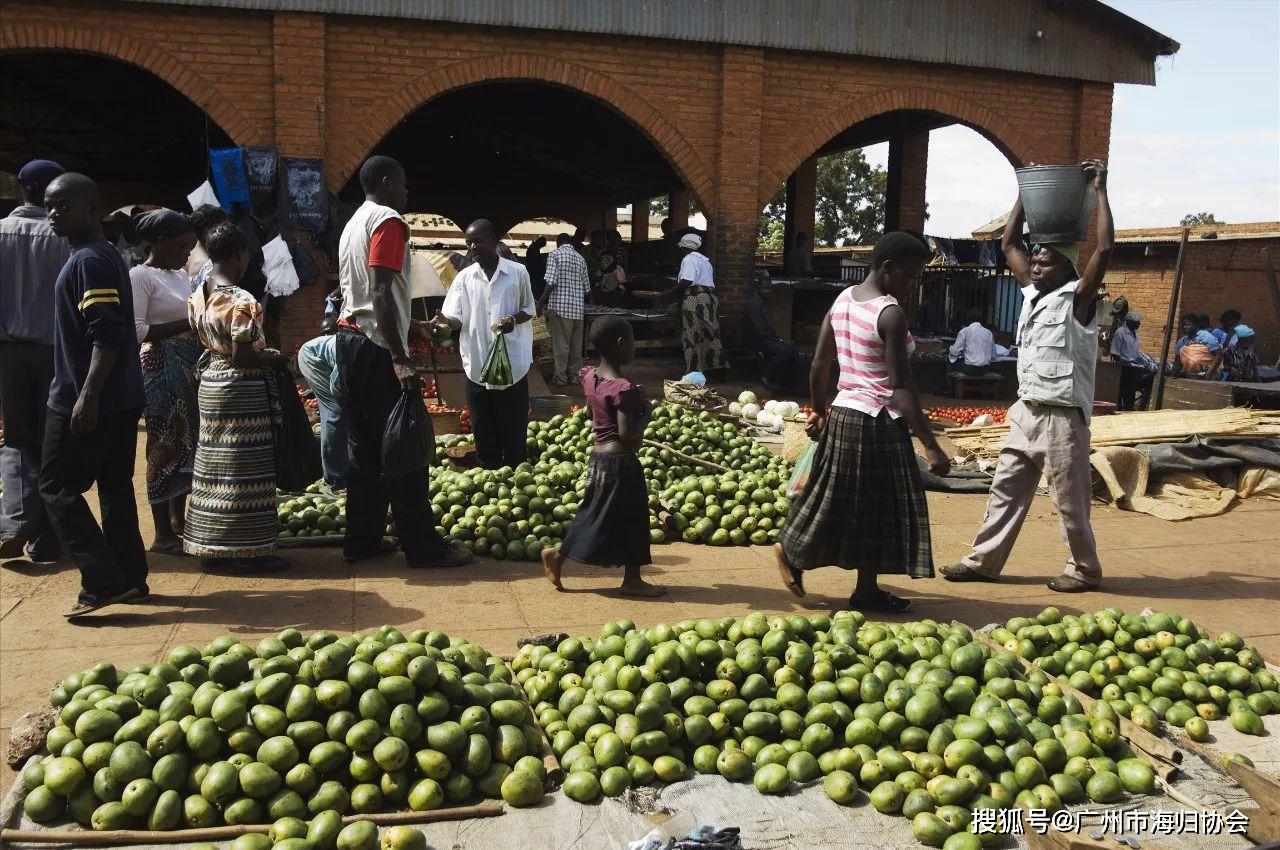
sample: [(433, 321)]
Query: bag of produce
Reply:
[(297, 450), (800, 473), (497, 366), (409, 441)]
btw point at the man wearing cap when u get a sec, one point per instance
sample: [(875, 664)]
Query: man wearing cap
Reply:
[(31, 255), (1135, 374), (1049, 424), (699, 308)]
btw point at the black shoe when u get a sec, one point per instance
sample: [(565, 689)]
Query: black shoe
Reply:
[(1070, 584), (454, 558), (959, 572), (13, 547), (43, 555), (384, 547)]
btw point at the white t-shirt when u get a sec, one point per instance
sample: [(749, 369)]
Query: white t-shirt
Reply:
[(696, 269), (480, 303), (159, 296)]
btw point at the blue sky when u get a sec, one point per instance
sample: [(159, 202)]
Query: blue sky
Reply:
[(1205, 137)]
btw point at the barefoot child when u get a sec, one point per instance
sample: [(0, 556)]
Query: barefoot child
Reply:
[(863, 507), (612, 525)]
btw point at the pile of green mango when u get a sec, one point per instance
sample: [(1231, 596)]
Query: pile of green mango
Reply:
[(296, 727), (930, 723), (1151, 667)]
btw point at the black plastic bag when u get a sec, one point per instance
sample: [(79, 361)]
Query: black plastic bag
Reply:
[(297, 449), (409, 441)]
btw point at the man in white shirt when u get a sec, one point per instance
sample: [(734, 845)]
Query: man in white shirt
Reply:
[(490, 297), (975, 346), (699, 308), (568, 282), (374, 370)]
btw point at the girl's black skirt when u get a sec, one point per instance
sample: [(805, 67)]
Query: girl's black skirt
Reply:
[(612, 524), (863, 506)]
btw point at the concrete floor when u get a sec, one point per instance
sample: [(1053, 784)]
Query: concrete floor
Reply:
[(1223, 572)]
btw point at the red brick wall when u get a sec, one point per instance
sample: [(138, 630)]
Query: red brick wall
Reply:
[(1217, 276), (734, 122)]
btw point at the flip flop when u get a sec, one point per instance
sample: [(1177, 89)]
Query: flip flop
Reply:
[(175, 549), (88, 605), (792, 580)]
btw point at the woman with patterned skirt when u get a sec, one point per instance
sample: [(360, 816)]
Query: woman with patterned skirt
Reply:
[(699, 308), (231, 515), (170, 351)]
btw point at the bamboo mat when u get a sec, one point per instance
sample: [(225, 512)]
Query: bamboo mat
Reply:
[(1130, 429)]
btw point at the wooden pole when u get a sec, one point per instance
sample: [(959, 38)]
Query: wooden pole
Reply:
[(1174, 295), (87, 838), (655, 444)]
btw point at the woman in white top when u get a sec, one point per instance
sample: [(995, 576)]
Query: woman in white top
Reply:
[(699, 308), (170, 350)]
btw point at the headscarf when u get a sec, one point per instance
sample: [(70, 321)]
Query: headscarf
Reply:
[(1244, 331), (692, 241), (1207, 338), (161, 224), (1068, 250), (37, 174), (1134, 316)]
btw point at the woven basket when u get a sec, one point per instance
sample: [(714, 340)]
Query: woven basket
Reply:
[(547, 406), (447, 422), (794, 440)]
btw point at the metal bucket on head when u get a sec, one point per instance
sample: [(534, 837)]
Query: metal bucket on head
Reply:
[(1058, 200)]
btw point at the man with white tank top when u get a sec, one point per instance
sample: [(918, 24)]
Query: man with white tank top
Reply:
[(1049, 424)]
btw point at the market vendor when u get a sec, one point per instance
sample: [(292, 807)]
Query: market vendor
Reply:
[(780, 356), (486, 299), (699, 308), (1049, 424)]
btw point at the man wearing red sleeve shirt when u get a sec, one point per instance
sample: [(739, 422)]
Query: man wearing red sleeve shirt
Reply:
[(374, 369)]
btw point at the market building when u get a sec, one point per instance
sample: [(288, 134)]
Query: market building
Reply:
[(565, 110)]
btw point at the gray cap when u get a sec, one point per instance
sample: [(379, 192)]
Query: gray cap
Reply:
[(1134, 316)]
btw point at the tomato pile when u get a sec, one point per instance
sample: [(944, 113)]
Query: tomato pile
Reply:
[(965, 415), (420, 348)]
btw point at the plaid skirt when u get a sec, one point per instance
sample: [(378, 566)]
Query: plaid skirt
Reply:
[(863, 506), (611, 527)]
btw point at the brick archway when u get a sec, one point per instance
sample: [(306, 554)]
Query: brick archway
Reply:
[(383, 116), (990, 124), (110, 44)]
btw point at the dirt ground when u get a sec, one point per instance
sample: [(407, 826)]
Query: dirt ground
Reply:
[(1223, 572)]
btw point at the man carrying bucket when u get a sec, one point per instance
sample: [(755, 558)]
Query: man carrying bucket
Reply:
[(1049, 424)]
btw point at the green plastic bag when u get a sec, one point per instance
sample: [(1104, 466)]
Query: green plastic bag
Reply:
[(497, 366), (800, 472)]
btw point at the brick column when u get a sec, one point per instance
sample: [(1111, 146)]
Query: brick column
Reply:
[(733, 222), (678, 204), (1092, 140), (904, 193), (298, 51), (640, 220), (802, 200)]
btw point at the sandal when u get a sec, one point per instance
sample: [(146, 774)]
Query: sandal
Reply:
[(792, 579), (880, 602), (87, 603)]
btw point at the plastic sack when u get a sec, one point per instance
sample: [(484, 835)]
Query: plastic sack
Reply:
[(297, 450), (497, 366), (800, 472), (409, 440)]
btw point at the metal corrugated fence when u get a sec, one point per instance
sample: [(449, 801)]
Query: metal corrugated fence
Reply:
[(1078, 39)]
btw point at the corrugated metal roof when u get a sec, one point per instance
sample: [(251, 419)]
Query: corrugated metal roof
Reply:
[(1200, 233), (1078, 39)]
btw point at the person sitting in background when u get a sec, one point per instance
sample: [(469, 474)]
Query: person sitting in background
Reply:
[(1241, 360), (780, 356), (1186, 334), (1135, 376), (800, 258), (613, 263), (1229, 319), (975, 346)]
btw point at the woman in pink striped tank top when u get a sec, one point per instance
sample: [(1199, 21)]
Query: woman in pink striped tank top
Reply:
[(863, 507)]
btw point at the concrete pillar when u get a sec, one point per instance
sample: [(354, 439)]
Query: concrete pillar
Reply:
[(802, 201), (905, 190), (298, 57), (734, 219), (640, 220), (678, 203)]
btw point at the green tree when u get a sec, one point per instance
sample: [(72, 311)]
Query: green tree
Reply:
[(849, 209), (1200, 218)]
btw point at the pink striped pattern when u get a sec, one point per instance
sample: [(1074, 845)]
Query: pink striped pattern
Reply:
[(864, 376)]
